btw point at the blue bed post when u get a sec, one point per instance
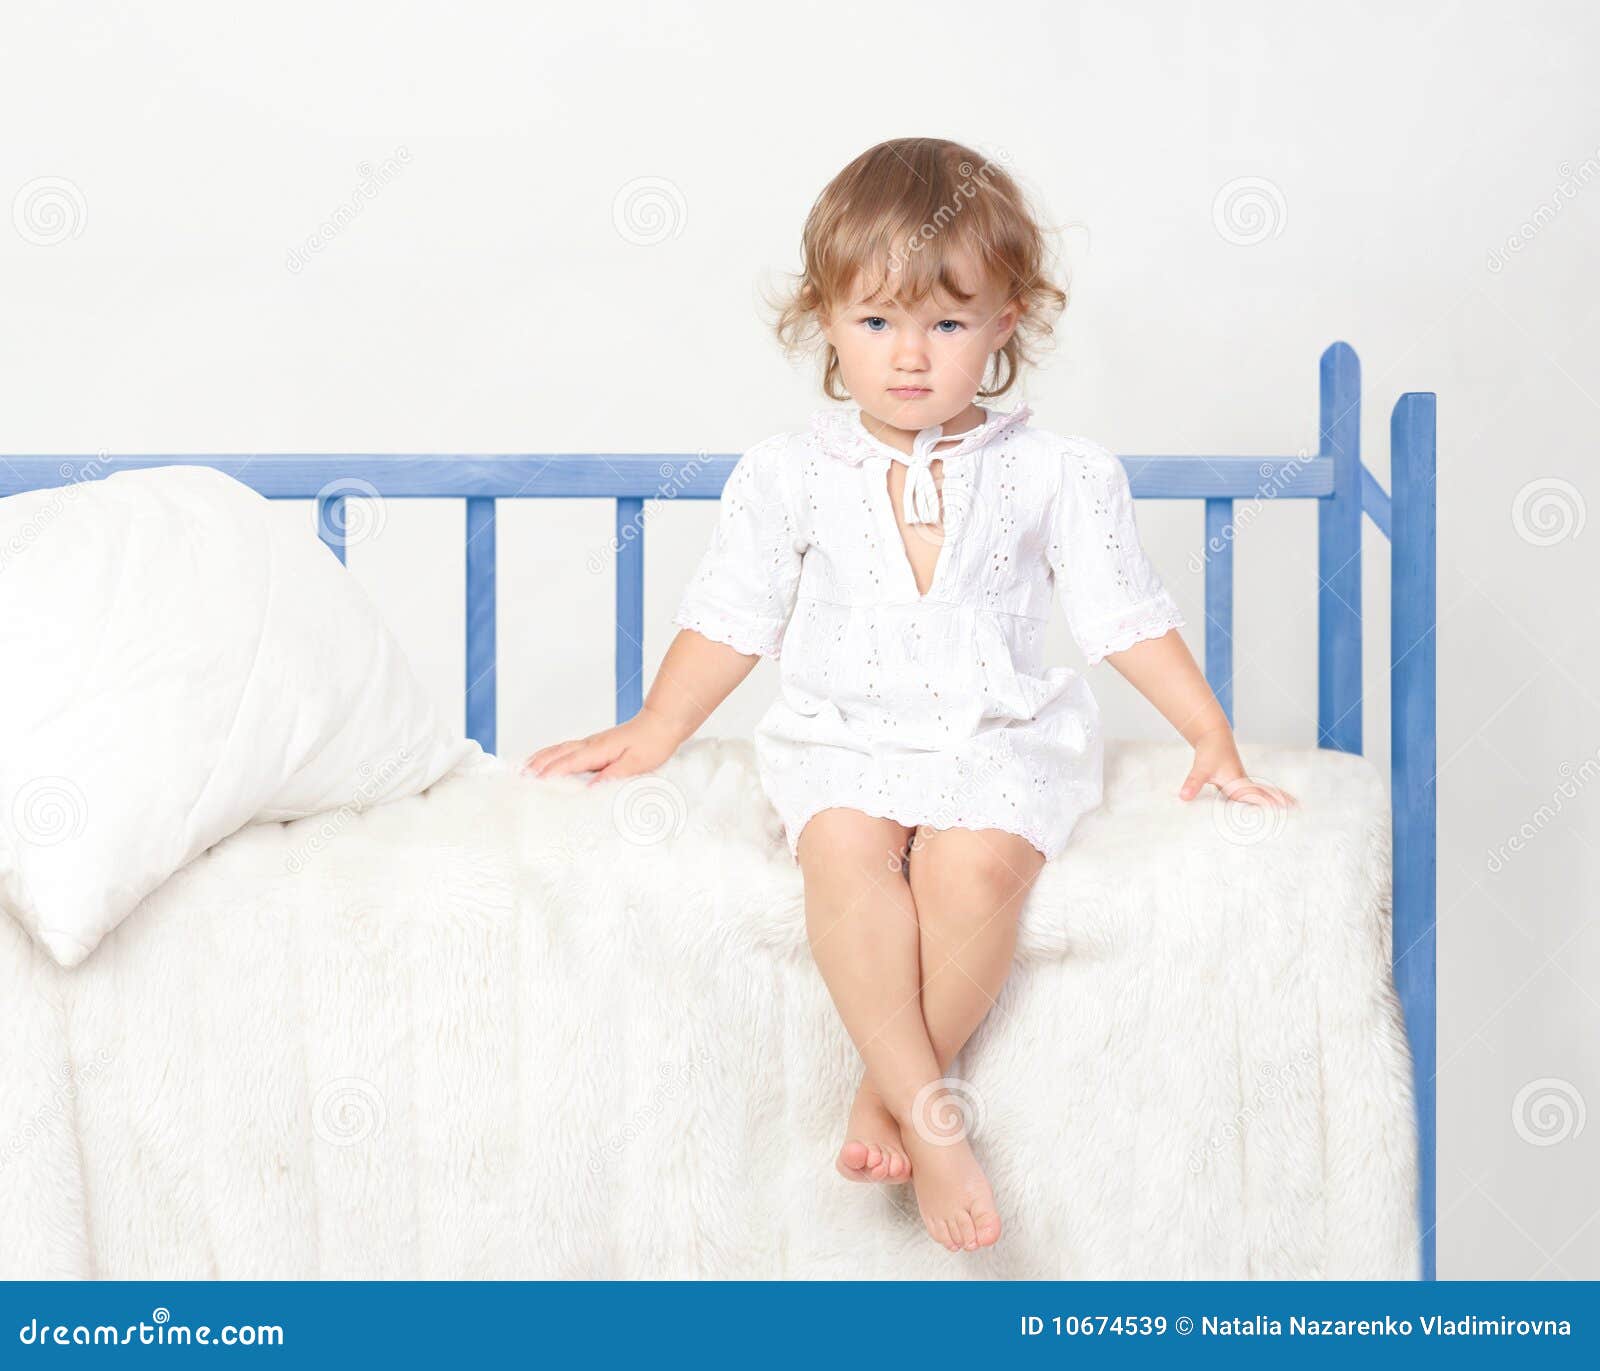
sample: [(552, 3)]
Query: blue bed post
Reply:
[(1339, 556), (1414, 761), (630, 607), (481, 666)]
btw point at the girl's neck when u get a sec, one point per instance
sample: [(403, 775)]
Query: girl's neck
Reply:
[(901, 439)]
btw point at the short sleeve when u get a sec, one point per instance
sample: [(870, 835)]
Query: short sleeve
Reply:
[(743, 592), (1111, 594)]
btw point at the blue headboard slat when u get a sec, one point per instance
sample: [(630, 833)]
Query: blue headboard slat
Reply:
[(630, 607), (1413, 743), (331, 525), (1219, 602), (1339, 556), (482, 704)]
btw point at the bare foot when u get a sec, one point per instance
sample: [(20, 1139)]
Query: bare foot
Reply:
[(953, 1194), (872, 1150)]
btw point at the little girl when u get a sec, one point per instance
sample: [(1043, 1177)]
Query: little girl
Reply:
[(902, 555)]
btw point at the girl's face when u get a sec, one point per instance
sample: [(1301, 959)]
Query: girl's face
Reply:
[(917, 367)]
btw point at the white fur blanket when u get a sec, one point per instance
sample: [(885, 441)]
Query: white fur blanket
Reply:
[(522, 1029)]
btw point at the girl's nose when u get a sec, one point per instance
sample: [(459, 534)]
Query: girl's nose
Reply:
[(910, 353)]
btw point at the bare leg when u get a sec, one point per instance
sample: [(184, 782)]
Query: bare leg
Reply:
[(855, 882), (860, 919), (968, 892), (968, 888)]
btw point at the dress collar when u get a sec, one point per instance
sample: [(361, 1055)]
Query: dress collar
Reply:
[(842, 434)]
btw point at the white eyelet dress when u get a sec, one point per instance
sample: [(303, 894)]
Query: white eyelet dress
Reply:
[(930, 709)]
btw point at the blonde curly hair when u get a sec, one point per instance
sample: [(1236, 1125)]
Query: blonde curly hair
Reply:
[(905, 209)]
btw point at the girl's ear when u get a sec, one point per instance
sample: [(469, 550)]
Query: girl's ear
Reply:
[(1006, 323)]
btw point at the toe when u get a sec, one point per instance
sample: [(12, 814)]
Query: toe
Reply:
[(986, 1224), (853, 1158), (967, 1230)]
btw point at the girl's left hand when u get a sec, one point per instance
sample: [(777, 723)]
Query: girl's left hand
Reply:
[(1216, 762)]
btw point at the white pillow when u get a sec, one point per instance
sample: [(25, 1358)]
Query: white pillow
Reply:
[(175, 664)]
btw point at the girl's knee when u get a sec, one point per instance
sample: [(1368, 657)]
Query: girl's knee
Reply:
[(840, 838), (982, 869)]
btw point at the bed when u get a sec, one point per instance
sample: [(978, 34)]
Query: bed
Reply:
[(506, 1029)]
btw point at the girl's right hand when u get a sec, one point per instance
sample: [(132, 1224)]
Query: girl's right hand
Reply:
[(639, 745)]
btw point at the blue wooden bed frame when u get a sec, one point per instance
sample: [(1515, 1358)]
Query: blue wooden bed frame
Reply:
[(1335, 478)]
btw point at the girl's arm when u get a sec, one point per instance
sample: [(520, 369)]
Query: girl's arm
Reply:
[(696, 675), (734, 612), (1119, 611), (1163, 671)]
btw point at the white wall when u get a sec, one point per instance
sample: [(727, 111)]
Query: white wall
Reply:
[(483, 300)]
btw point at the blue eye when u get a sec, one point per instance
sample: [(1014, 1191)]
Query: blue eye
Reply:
[(874, 319), (943, 322)]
